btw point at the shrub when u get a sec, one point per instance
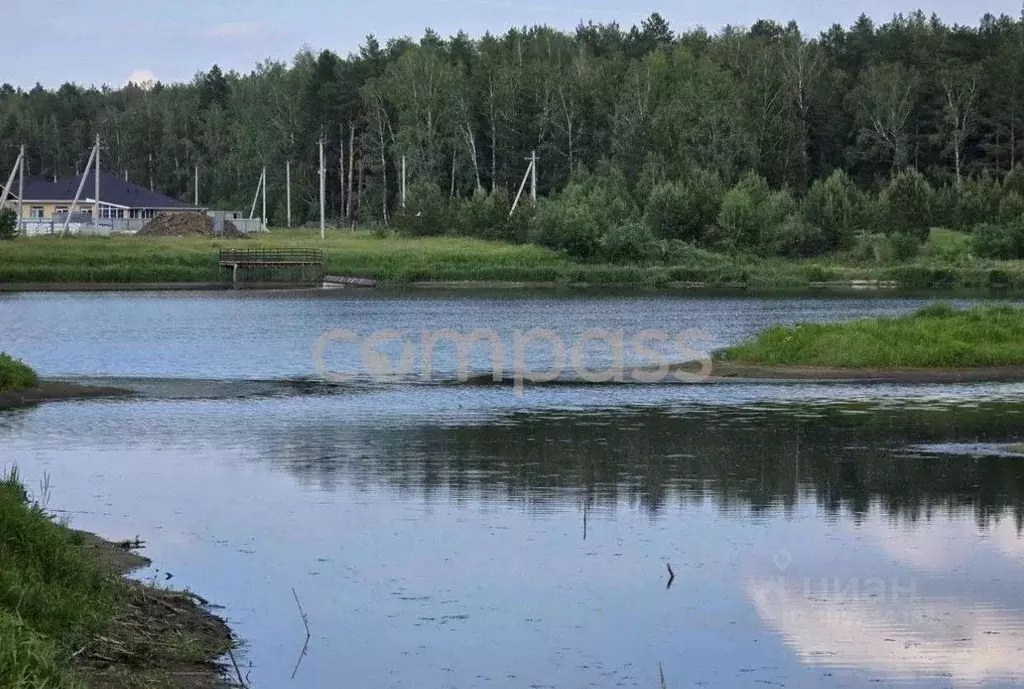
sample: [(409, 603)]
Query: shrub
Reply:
[(684, 209), (998, 241), (481, 215), (738, 221), (567, 227), (1014, 181), (1011, 208), (8, 224), (905, 205), (577, 219), (945, 202), (630, 242), (977, 202), (836, 206), (15, 375), (426, 211), (750, 209), (794, 237), (872, 247), (905, 246)]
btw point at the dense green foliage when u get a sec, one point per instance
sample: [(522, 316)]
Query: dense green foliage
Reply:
[(15, 375), (53, 597), (659, 107), (8, 224), (934, 337)]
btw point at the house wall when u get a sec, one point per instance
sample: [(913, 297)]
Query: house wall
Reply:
[(50, 209)]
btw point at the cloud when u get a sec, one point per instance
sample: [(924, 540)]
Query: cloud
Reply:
[(234, 30), (910, 638), (142, 77)]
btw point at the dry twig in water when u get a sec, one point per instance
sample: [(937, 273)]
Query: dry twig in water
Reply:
[(305, 623)]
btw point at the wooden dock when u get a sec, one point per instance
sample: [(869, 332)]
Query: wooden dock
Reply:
[(277, 266), (341, 282)]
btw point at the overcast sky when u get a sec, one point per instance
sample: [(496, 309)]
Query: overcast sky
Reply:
[(107, 41)]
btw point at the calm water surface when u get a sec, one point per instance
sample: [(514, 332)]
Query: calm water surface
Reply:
[(820, 535)]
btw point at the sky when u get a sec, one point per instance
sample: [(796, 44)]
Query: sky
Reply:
[(112, 41)]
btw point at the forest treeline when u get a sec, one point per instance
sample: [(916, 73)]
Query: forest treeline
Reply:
[(765, 109)]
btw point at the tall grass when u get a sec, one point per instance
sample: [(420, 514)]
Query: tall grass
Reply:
[(53, 597), (934, 337), (15, 375), (395, 259)]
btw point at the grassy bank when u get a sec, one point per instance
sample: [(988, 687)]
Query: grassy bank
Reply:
[(934, 337), (15, 375), (403, 260), (67, 619)]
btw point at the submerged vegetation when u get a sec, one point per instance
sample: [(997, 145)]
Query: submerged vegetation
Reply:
[(68, 620), (934, 337), (14, 375)]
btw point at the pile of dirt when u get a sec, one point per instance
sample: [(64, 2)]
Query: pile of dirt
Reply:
[(187, 225), (231, 231)]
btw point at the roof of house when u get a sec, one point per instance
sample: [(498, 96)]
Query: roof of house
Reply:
[(113, 190)]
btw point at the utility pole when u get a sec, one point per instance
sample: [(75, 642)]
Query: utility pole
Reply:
[(256, 197), (21, 185), (351, 168), (10, 179), (196, 190), (530, 174), (403, 181), (288, 189), (78, 194), (96, 200), (264, 197), (533, 176), (322, 183)]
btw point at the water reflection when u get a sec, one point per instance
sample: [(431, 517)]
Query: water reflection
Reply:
[(850, 456), (415, 526)]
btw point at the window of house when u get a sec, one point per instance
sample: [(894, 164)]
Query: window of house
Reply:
[(133, 213), (147, 213), (35, 212), (60, 210), (111, 212)]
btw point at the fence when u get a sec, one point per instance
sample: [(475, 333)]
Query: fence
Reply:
[(112, 226)]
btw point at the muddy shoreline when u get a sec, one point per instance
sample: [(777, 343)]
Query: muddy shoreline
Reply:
[(56, 391), (726, 373), (724, 370), (159, 639)]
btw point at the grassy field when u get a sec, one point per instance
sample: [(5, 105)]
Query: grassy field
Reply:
[(15, 375), (403, 260), (934, 337), (69, 621), (194, 259)]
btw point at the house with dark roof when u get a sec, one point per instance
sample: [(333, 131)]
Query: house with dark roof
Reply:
[(119, 198)]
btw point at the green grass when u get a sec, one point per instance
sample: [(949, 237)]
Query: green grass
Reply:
[(53, 598), (943, 264), (15, 375), (194, 259), (934, 337)]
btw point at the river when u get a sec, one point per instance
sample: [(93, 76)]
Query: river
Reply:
[(443, 535)]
